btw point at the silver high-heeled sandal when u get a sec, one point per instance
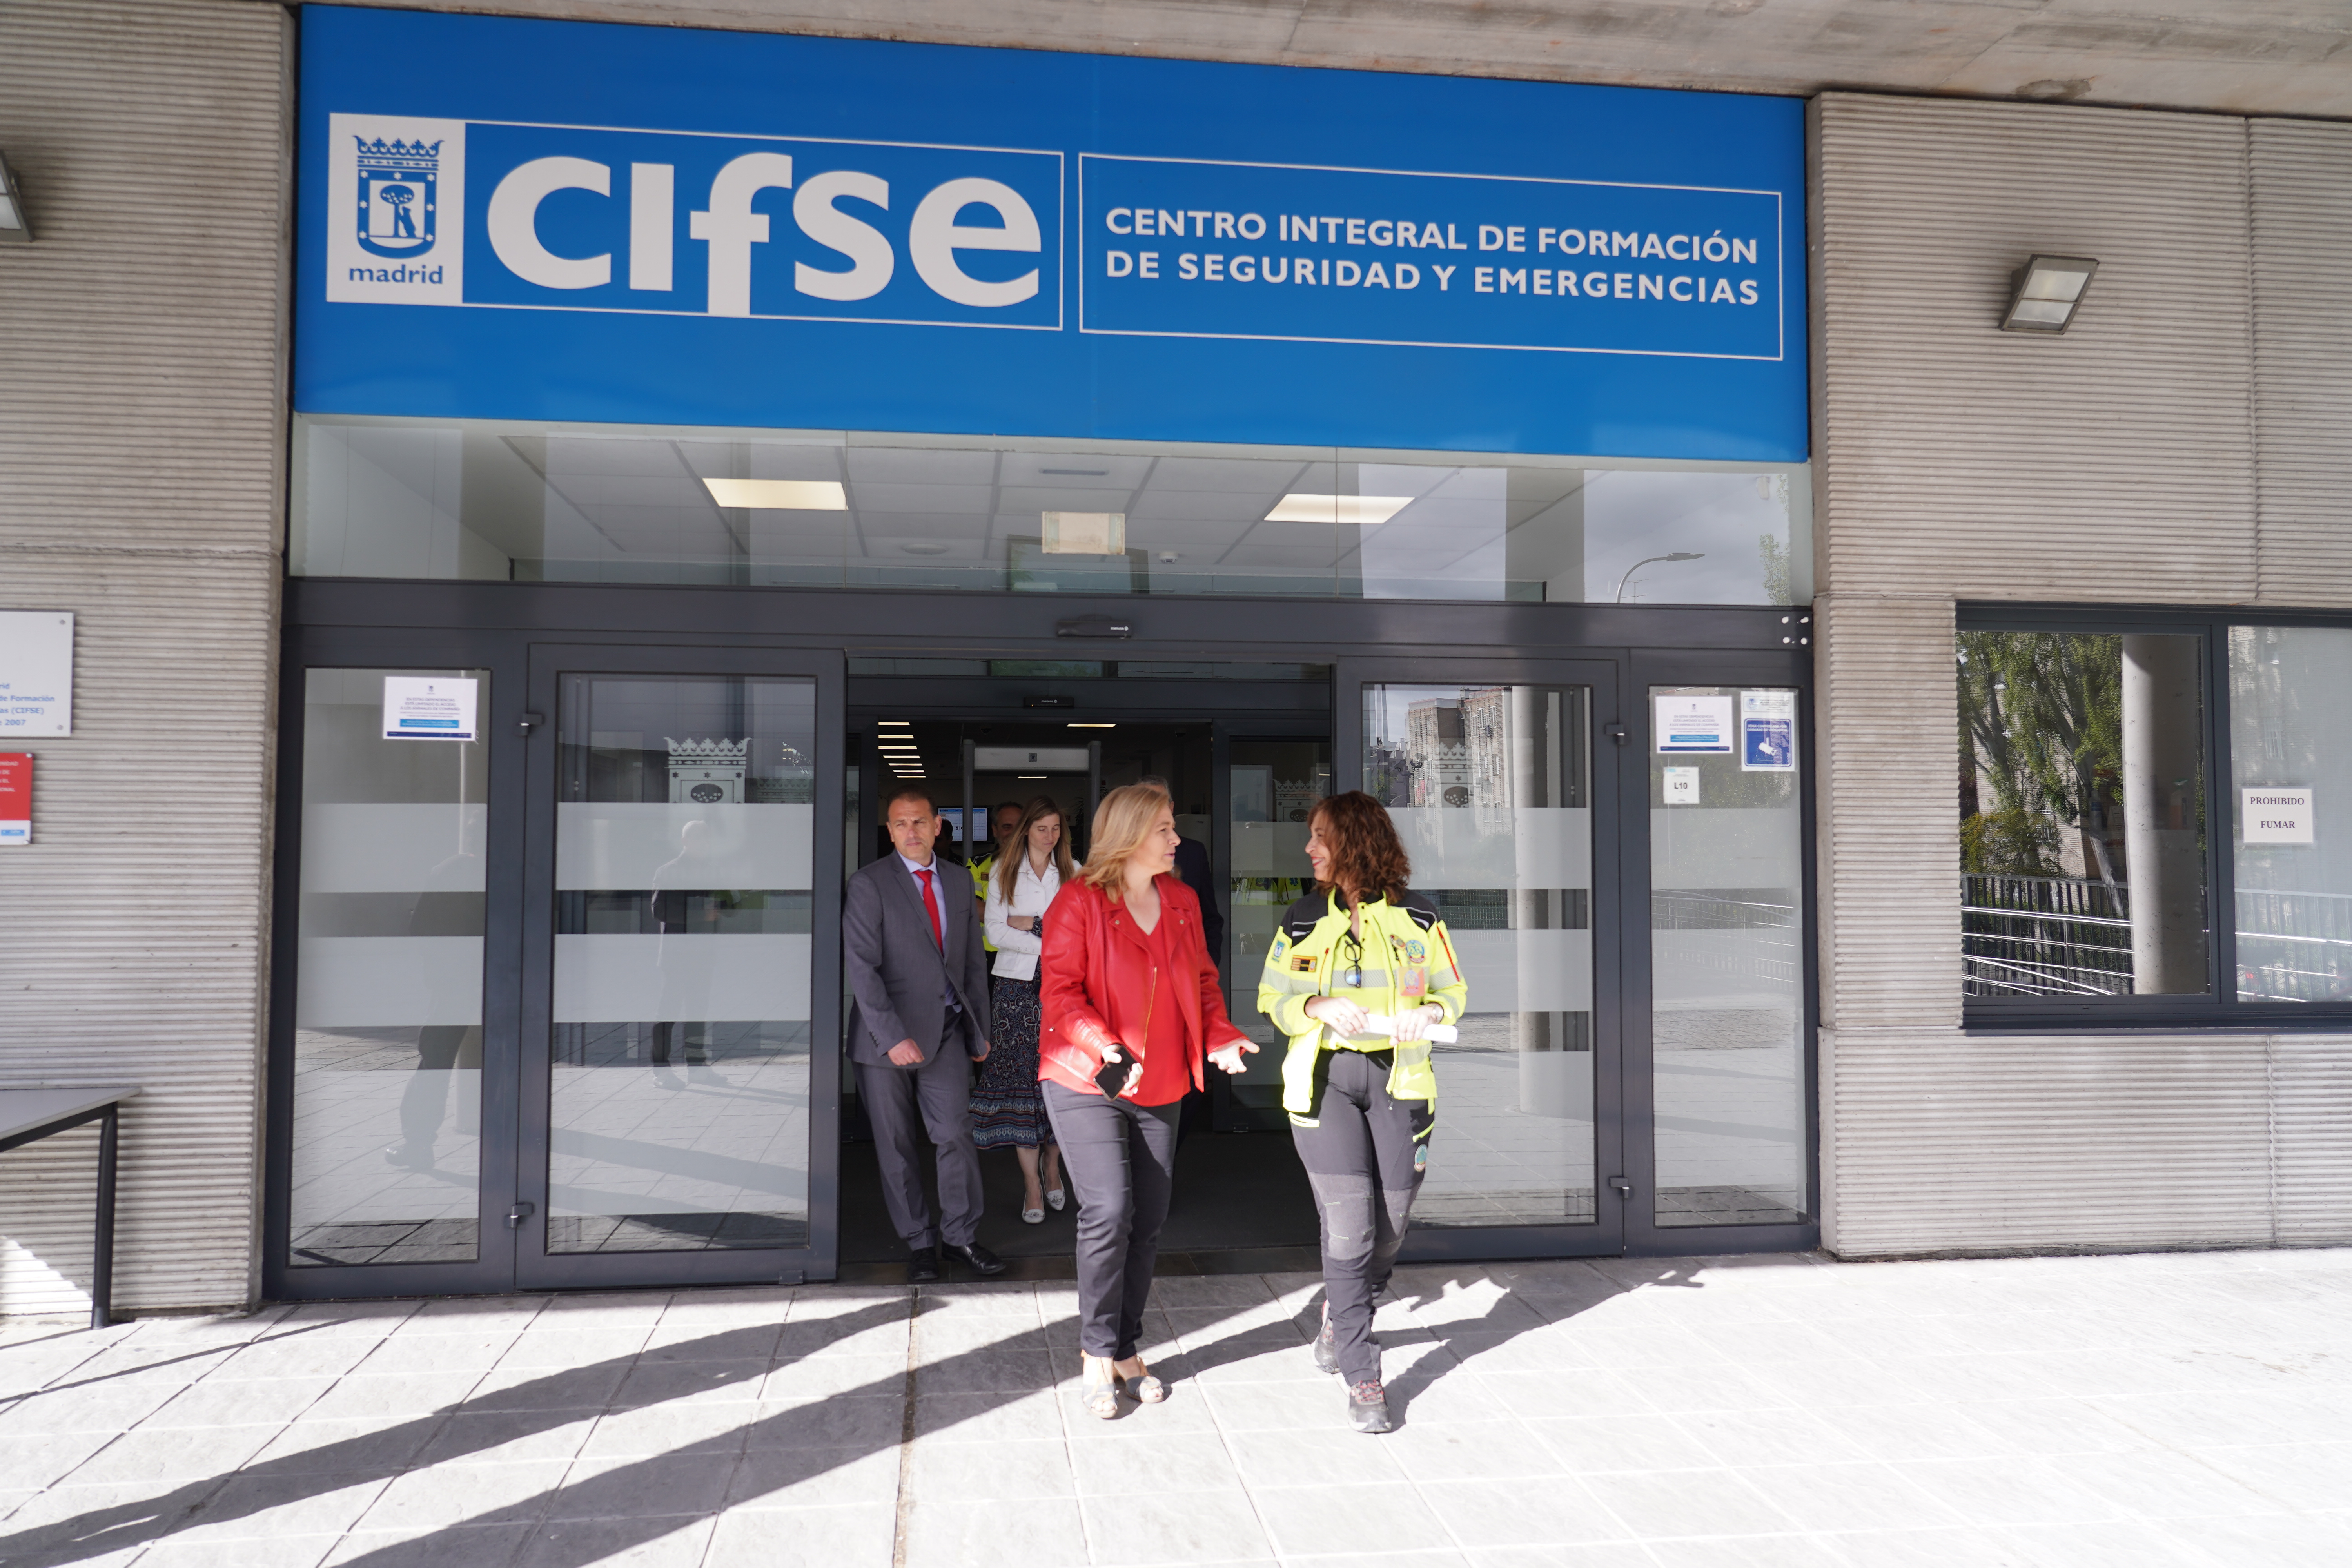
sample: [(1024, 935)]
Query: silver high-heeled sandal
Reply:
[(1144, 1388), (1099, 1382)]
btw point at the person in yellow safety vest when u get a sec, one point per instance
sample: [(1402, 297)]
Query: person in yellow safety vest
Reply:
[(1003, 824), (1359, 973)]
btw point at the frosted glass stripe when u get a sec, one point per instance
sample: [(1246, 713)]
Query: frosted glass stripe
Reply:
[(1527, 971), (603, 978), (435, 849), (629, 845), (1702, 847), (1271, 849), (388, 981), (1524, 847)]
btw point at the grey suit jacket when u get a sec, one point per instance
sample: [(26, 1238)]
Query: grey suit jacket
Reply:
[(893, 967)]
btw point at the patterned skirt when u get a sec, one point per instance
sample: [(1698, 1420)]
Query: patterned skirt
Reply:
[(1008, 1108)]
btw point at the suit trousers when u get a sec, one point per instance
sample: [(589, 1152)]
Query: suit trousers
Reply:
[(1121, 1160), (1364, 1159), (935, 1098)]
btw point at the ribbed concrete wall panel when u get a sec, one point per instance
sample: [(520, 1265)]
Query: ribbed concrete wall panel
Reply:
[(1953, 1142), (1889, 854), (2311, 1090), (152, 141), (141, 435), (134, 918), (2303, 358), (2114, 462)]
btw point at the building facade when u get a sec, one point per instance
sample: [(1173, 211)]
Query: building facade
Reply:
[(411, 1016)]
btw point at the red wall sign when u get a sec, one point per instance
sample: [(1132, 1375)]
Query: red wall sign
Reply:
[(15, 797)]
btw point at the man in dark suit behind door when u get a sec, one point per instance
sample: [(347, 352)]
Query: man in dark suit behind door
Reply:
[(919, 1019)]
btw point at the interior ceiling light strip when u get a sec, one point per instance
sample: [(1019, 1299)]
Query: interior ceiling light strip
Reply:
[(1368, 512), (780, 495)]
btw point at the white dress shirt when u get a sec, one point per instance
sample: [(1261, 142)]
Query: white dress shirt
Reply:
[(1016, 950)]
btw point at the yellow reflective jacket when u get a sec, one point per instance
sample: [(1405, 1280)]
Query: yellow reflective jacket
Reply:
[(1407, 962), (981, 870)]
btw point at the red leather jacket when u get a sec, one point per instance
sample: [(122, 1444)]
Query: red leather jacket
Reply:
[(1095, 984)]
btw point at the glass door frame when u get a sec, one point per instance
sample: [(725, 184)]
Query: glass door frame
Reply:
[(503, 653), (1605, 678), (1644, 1235), (536, 1268)]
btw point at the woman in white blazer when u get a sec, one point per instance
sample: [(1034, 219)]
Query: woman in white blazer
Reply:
[(1007, 1109)]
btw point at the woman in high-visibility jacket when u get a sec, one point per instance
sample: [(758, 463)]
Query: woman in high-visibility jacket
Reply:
[(1357, 976)]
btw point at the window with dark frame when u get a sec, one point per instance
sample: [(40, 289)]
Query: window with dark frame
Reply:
[(2125, 776)]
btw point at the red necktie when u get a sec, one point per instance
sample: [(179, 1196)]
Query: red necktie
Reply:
[(931, 906)]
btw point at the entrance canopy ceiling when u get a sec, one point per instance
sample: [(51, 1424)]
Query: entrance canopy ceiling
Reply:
[(2247, 57)]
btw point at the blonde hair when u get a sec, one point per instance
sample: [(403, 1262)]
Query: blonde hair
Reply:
[(1008, 866), (1121, 822)]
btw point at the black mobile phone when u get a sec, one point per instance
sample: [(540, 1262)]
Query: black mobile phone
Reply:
[(1111, 1076)]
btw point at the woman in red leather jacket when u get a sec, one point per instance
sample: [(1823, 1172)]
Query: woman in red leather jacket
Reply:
[(1125, 978)]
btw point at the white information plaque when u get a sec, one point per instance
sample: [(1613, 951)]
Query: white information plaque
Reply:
[(36, 673), (1694, 723), (430, 708), (1680, 786), (2281, 815)]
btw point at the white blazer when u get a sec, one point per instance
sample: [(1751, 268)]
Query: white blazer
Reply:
[(1017, 951)]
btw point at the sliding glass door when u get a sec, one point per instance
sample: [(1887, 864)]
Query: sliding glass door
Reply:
[(671, 1074), (1489, 772)]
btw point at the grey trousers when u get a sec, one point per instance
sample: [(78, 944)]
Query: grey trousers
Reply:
[(1364, 1159), (936, 1098), (1120, 1159)]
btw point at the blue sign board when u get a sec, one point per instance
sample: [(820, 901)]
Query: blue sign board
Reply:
[(580, 222)]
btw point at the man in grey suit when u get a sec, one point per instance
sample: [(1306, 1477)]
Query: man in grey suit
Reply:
[(919, 1020)]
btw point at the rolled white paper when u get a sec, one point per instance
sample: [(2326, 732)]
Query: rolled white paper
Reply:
[(1381, 1024)]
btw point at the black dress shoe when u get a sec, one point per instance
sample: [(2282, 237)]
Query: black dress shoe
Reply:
[(923, 1267), (980, 1260)]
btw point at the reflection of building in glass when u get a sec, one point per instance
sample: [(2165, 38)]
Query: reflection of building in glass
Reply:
[(1458, 751), (1486, 743), (1434, 751)]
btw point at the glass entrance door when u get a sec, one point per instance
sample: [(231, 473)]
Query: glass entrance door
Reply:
[(677, 1118), (1490, 775)]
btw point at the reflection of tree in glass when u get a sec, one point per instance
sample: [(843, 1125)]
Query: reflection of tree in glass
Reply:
[(2041, 724), (1775, 556)]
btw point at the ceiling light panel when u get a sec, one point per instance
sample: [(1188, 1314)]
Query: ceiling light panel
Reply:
[(780, 495), (1366, 511)]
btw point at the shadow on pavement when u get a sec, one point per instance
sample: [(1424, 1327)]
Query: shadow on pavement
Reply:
[(817, 1436)]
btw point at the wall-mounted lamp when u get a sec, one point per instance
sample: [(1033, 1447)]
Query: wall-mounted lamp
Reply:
[(15, 229), (2045, 294)]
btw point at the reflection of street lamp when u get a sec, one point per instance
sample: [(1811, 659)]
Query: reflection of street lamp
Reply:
[(1677, 555)]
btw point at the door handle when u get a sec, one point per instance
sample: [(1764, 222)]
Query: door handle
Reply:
[(1621, 1188), (527, 722), (517, 1214), (1615, 732)]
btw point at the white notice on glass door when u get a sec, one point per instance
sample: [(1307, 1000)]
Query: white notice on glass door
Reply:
[(429, 708), (1694, 723), (1680, 786), (2276, 815)]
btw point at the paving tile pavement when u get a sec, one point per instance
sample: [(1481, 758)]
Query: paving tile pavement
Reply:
[(2184, 1408)]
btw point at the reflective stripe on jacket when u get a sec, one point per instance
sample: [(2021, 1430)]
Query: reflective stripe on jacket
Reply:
[(1407, 962)]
